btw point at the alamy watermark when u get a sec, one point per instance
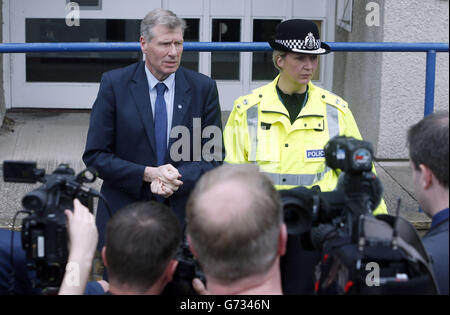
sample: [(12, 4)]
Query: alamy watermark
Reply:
[(206, 143), (373, 17), (181, 149), (73, 16), (373, 277), (72, 275)]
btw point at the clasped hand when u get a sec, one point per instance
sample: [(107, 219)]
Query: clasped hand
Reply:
[(164, 179)]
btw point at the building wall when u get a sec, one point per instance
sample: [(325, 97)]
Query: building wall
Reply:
[(403, 74), (2, 92), (386, 91), (357, 74)]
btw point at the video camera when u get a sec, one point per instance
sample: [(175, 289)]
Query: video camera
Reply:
[(341, 226), (188, 268), (358, 191), (44, 233)]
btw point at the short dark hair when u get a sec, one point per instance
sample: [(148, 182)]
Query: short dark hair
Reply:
[(141, 239), (428, 145)]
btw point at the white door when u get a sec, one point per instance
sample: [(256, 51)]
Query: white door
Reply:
[(71, 80), (68, 80), (255, 21)]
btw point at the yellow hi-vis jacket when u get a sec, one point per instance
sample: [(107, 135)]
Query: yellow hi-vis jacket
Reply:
[(259, 131)]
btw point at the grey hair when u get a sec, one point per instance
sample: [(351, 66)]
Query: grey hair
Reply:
[(275, 55), (160, 17)]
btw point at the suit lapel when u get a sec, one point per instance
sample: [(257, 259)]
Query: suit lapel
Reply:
[(141, 94), (181, 102)]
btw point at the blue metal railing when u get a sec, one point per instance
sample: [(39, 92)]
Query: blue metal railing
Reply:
[(210, 46), (429, 48)]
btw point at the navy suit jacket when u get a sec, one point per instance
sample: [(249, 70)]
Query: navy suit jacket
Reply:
[(436, 243), (121, 138)]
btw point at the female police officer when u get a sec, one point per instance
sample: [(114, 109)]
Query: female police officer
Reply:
[(283, 126)]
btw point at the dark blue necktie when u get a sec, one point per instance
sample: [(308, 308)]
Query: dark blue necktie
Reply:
[(160, 124)]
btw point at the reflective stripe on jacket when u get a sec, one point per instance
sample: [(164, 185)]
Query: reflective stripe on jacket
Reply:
[(259, 131)]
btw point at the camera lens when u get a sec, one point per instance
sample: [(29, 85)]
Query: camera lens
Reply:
[(35, 200), (296, 217)]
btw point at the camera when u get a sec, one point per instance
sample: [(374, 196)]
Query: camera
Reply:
[(349, 155), (44, 233), (358, 191), (188, 268), (341, 226)]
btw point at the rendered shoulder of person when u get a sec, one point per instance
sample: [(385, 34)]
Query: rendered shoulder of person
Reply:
[(199, 78), (96, 288), (350, 128), (120, 75), (436, 242), (245, 111), (24, 277), (244, 103)]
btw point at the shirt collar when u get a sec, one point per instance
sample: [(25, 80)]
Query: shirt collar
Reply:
[(270, 102), (281, 93), (439, 217), (152, 81)]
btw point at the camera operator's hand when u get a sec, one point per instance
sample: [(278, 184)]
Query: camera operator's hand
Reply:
[(199, 287), (165, 179), (83, 237)]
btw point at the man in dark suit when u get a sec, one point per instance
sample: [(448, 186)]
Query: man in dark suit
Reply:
[(140, 112), (428, 149)]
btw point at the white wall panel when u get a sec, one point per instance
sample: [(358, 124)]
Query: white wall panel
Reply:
[(308, 8), (187, 7), (227, 8), (268, 8)]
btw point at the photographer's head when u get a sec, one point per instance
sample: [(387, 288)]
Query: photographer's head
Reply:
[(428, 142), (235, 228), (141, 243)]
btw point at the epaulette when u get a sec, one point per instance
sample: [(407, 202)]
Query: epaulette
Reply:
[(335, 100), (245, 102)]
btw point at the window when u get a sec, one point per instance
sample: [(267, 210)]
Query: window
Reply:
[(225, 65), (262, 66), (87, 4), (190, 59), (344, 14), (78, 66)]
